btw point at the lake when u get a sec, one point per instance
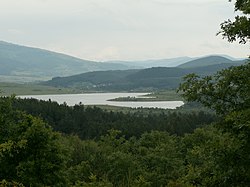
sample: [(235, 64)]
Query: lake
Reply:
[(102, 99)]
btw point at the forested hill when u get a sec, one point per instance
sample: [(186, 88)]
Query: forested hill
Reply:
[(210, 60), (27, 64), (92, 79), (21, 61), (128, 80)]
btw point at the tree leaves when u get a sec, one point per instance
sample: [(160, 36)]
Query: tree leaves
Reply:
[(239, 29), (226, 91), (30, 152)]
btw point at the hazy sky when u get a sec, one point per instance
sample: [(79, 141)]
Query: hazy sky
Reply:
[(120, 29)]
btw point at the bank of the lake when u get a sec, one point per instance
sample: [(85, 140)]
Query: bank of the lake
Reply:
[(105, 99)]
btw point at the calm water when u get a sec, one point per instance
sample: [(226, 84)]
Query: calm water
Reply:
[(102, 99)]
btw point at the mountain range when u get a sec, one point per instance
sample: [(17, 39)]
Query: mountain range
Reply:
[(20, 61), (141, 79), (27, 64)]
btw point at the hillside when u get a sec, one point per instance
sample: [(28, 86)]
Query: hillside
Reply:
[(27, 64), (20, 61), (131, 80), (91, 79), (209, 60), (126, 80), (183, 62), (171, 62)]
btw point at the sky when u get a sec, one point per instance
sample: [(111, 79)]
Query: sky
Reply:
[(103, 30)]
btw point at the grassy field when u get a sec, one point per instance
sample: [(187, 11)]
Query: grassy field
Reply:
[(7, 89)]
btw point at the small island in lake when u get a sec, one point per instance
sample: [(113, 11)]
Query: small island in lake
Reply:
[(167, 95)]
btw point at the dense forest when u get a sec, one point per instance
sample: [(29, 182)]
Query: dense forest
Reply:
[(93, 122), (91, 147), (47, 144)]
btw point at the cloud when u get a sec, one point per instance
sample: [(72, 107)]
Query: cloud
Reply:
[(117, 29)]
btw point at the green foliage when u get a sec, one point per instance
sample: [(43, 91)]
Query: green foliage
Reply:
[(213, 159), (93, 183), (239, 28), (223, 158), (29, 150), (225, 92), (151, 160), (161, 157), (32, 154), (5, 183), (93, 122)]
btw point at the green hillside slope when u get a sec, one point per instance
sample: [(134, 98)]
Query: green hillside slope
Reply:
[(207, 61), (133, 80), (96, 79), (24, 61)]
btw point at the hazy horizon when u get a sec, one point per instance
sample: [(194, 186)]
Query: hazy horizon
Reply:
[(140, 60), (124, 30)]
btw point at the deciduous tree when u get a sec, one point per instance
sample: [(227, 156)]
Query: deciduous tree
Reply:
[(30, 152), (239, 29)]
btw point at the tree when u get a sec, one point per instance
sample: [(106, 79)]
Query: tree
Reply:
[(159, 154), (226, 159), (214, 158), (225, 92), (239, 29), (30, 152)]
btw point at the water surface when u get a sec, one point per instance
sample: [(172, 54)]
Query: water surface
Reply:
[(102, 99)]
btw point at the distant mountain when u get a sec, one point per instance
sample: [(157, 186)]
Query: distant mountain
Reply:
[(183, 62), (229, 57), (134, 80), (122, 80), (21, 61), (210, 60), (171, 62), (27, 64)]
